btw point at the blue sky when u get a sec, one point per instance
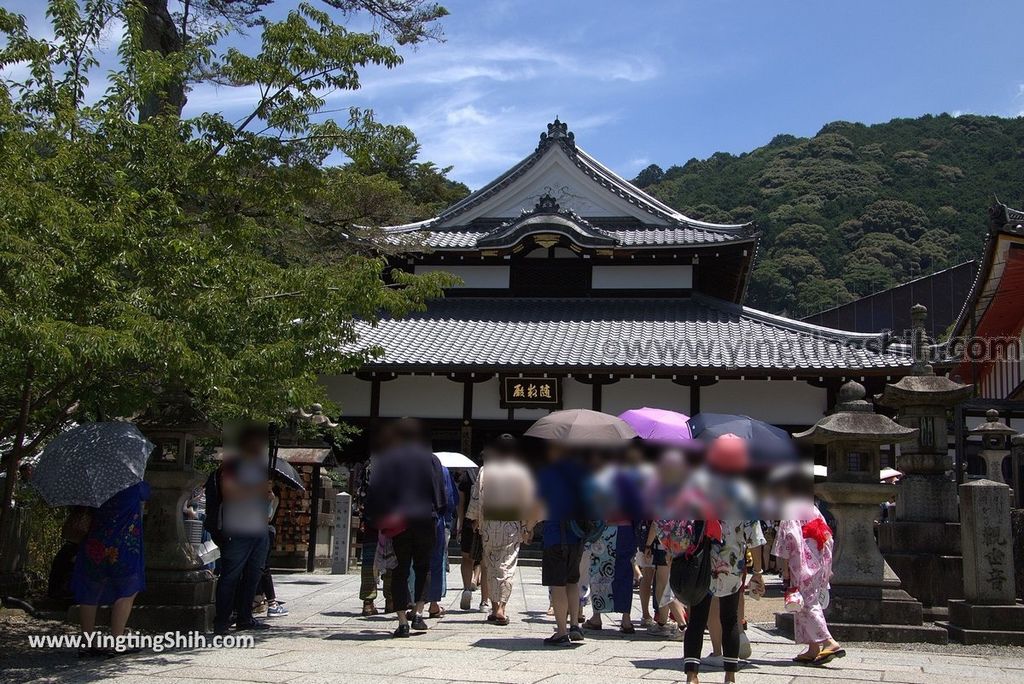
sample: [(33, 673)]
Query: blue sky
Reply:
[(664, 81)]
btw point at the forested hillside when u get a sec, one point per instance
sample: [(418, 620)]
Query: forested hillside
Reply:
[(856, 208)]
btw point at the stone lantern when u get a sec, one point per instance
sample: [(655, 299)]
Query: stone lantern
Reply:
[(868, 602), (995, 444), (179, 589), (923, 544)]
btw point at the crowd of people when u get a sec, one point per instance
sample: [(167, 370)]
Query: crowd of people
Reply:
[(683, 526)]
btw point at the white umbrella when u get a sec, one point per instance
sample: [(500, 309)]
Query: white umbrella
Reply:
[(453, 459)]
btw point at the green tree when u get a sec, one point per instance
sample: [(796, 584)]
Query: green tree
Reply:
[(139, 253)]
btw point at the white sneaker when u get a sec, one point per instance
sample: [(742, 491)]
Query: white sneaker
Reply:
[(659, 630), (712, 660), (467, 599), (485, 606), (276, 609)]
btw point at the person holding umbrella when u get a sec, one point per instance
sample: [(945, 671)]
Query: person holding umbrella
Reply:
[(110, 567), (99, 467)]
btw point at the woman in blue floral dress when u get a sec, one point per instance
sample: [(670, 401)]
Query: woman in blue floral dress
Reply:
[(110, 567)]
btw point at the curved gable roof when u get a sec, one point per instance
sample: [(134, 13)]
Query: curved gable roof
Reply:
[(656, 222)]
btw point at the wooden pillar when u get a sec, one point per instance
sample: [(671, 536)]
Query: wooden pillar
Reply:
[(467, 419), (694, 399), (374, 399), (595, 394)]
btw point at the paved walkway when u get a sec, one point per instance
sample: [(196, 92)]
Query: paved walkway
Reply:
[(325, 640)]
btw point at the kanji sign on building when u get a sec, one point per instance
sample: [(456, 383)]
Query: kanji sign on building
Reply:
[(517, 392)]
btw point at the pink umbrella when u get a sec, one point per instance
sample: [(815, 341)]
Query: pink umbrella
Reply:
[(660, 425)]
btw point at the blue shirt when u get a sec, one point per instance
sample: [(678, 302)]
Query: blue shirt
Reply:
[(560, 486)]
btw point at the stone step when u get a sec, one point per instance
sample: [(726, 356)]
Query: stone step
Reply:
[(882, 633)]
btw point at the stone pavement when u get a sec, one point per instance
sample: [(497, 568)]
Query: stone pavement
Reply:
[(325, 640)]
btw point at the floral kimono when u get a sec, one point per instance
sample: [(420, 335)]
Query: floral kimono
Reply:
[(805, 540), (110, 563)]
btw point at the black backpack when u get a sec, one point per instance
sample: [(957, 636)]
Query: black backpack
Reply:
[(213, 502), (690, 575)]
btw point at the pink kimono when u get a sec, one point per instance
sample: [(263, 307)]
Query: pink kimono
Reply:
[(803, 539)]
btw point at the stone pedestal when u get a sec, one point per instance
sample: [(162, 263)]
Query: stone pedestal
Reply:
[(179, 590), (990, 612), (868, 599)]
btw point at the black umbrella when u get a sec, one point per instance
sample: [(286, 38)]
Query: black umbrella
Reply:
[(769, 445), (285, 473)]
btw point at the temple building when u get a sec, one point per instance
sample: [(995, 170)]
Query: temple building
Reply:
[(992, 318), (579, 290)]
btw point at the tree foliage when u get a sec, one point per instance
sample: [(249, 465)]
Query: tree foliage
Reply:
[(872, 205), (145, 253)]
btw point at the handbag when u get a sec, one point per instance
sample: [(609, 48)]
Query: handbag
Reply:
[(690, 574), (393, 525)]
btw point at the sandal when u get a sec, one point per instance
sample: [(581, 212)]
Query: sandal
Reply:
[(440, 613), (627, 629), (597, 626), (369, 609), (827, 655), (805, 658), (501, 621)]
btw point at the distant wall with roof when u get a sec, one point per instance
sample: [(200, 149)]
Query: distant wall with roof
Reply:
[(943, 292)]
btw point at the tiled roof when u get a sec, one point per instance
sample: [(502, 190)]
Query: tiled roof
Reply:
[(665, 335), (666, 227), (626, 236)]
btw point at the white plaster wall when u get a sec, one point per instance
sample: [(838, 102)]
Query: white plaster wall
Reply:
[(486, 401), (785, 402), (673, 276), (639, 392), (479, 277), (421, 396), (350, 393), (576, 394)]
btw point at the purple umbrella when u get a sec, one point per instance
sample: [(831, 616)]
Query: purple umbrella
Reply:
[(660, 425)]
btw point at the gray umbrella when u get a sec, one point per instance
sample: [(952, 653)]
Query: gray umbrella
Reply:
[(581, 426), (90, 463)]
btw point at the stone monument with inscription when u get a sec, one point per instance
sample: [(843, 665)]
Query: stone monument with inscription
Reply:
[(989, 612)]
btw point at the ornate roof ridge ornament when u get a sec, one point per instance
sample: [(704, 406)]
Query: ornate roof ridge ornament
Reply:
[(547, 204), (558, 132)]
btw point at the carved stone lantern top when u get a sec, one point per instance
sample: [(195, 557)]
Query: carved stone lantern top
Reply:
[(855, 420), (993, 426)]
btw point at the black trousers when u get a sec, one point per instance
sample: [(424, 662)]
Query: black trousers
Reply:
[(267, 579), (413, 549), (693, 637)]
